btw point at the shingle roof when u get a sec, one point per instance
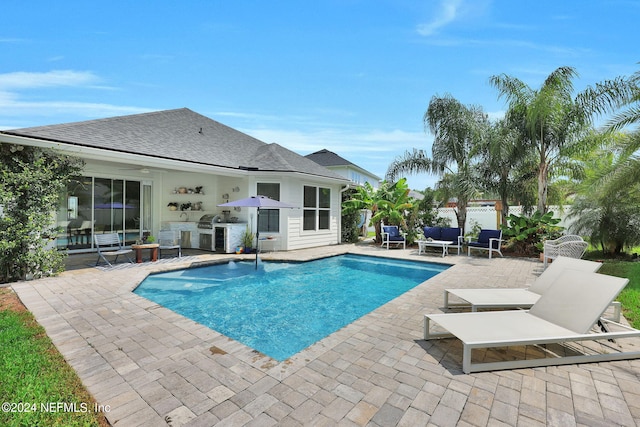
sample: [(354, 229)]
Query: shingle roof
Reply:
[(325, 157), (179, 134), (328, 158)]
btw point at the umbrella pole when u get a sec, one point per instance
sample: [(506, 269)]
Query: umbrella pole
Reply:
[(257, 236)]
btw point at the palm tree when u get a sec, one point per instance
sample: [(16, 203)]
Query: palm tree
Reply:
[(551, 122), (609, 215), (457, 131), (631, 115), (627, 170), (504, 169)]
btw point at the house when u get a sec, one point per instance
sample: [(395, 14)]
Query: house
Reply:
[(344, 167), (169, 169)]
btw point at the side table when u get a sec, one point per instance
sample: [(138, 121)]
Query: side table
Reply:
[(153, 249)]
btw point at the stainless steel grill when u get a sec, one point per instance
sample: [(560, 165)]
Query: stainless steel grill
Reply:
[(206, 222)]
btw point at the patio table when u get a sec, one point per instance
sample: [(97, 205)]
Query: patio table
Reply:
[(444, 244)]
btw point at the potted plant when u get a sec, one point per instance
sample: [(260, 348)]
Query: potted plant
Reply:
[(247, 240)]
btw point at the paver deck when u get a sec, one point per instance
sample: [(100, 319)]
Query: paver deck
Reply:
[(153, 367)]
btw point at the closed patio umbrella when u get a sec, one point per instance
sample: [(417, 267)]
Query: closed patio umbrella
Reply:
[(258, 202)]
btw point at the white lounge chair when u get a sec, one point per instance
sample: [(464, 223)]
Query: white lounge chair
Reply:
[(169, 240), (484, 298), (115, 248), (565, 313)]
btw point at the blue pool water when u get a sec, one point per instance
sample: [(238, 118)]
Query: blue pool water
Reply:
[(283, 308)]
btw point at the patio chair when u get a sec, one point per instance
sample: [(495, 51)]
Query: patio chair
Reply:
[(504, 298), (488, 240), (391, 234), (571, 246), (567, 312), (105, 244), (169, 240)]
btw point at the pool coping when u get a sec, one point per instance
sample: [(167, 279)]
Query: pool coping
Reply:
[(149, 363)]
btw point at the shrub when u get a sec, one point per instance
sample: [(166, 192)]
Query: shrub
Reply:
[(32, 179), (526, 234)]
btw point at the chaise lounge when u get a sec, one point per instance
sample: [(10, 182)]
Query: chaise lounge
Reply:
[(566, 313), (501, 298)]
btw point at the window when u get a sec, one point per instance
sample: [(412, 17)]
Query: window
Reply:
[(317, 208), (269, 220)]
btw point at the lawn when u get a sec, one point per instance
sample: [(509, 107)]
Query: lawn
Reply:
[(37, 386), (630, 296)]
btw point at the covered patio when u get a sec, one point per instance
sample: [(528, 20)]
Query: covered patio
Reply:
[(151, 365)]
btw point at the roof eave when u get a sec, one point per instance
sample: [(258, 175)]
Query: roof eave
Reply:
[(111, 155)]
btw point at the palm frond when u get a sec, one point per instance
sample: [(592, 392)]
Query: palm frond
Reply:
[(416, 161)]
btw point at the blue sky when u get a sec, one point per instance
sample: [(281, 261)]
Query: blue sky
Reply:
[(352, 76)]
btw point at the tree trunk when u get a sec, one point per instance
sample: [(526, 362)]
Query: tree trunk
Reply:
[(461, 215), (504, 213), (378, 228), (543, 172)]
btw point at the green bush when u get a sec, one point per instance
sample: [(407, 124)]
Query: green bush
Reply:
[(526, 234), (32, 179)]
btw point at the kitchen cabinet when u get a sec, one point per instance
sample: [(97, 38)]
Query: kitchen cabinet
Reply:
[(191, 227)]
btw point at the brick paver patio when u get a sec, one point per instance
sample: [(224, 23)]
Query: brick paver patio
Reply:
[(153, 367)]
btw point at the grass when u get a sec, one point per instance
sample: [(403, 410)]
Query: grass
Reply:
[(34, 377), (630, 296)]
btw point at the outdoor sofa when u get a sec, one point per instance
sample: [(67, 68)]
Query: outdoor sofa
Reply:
[(446, 234)]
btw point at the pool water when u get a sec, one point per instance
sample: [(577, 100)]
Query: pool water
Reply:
[(282, 308)]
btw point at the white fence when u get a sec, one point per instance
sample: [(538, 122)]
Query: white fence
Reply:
[(488, 217)]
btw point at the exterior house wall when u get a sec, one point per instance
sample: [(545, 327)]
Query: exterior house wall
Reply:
[(221, 160), (356, 175), (298, 237)]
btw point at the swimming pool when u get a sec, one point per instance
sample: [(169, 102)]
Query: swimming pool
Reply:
[(283, 308)]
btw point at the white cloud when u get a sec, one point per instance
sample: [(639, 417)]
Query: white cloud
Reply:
[(372, 150), (447, 13), (13, 104), (341, 141), (55, 78), (12, 107)]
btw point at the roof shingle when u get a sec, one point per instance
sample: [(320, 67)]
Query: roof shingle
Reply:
[(179, 134)]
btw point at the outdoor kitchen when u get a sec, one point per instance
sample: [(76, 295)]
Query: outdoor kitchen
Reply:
[(192, 208)]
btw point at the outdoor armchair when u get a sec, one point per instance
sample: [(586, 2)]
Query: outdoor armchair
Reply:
[(571, 246), (488, 240), (391, 234)]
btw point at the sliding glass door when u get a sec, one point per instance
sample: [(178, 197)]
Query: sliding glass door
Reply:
[(102, 205)]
